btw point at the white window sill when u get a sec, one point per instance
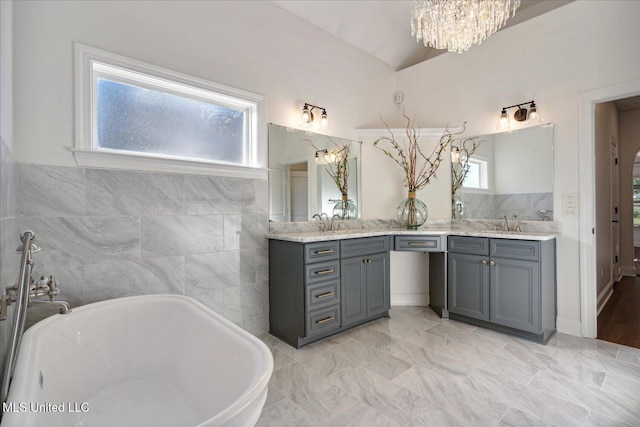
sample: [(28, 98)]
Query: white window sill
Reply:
[(128, 161)]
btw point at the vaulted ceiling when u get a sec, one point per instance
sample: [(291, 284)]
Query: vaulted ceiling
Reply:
[(383, 28)]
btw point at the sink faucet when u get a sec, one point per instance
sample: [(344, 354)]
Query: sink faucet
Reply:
[(513, 220), (506, 223), (325, 223)]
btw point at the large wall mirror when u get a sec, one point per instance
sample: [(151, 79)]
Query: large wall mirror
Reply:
[(300, 184), (509, 173)]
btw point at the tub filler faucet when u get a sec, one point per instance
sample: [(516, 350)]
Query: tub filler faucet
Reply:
[(45, 287)]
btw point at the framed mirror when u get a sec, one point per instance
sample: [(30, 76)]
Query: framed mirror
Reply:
[(302, 168), (509, 173)]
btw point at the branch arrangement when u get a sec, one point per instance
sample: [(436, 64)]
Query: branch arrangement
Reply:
[(338, 162), (417, 166), (460, 170)]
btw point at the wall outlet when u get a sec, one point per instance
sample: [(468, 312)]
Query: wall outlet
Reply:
[(399, 97)]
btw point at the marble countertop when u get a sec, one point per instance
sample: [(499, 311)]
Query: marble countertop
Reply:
[(320, 236)]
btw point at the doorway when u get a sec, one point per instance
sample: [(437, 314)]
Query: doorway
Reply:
[(587, 205), (299, 192), (617, 244)]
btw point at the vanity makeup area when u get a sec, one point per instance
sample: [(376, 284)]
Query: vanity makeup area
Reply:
[(481, 271)]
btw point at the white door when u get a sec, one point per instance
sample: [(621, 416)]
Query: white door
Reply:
[(615, 210), (299, 196)]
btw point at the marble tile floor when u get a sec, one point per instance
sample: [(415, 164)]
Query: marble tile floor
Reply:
[(415, 369)]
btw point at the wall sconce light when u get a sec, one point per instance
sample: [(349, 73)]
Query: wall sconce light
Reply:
[(530, 115), (324, 152), (308, 118)]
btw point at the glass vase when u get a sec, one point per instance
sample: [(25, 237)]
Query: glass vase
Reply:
[(457, 207), (345, 208), (412, 212)]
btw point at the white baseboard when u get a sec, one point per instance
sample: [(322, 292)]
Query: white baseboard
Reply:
[(571, 327), (420, 300), (628, 271), (604, 297)]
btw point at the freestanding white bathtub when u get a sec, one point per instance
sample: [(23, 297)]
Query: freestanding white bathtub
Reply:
[(153, 360)]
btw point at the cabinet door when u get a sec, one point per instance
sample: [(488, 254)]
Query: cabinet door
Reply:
[(378, 299), (515, 294), (468, 285), (353, 290)]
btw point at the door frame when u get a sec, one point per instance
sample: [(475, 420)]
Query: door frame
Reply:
[(586, 173)]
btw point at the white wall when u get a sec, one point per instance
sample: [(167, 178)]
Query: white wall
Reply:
[(255, 46), (552, 59)]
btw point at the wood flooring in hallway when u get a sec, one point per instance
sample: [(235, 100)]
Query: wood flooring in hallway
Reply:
[(619, 321)]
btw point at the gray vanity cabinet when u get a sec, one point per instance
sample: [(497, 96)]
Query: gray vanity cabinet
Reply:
[(365, 279), (304, 290), (469, 285), (505, 284), (314, 287)]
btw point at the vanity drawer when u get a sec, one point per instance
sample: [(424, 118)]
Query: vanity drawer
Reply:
[(322, 295), (364, 246), (419, 243), (322, 271), (469, 245), (321, 251), (527, 250), (323, 320)]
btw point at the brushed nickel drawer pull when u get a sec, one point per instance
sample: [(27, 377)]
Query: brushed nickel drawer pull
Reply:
[(326, 294), (324, 252), (418, 243), (328, 319), (321, 272)]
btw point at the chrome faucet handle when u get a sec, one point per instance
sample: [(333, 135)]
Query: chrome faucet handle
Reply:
[(337, 224), (54, 288)]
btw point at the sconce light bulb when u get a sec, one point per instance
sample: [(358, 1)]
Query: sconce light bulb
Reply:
[(503, 121), (325, 119), (533, 117)]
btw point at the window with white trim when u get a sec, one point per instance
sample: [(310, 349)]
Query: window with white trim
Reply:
[(477, 176), (137, 116)]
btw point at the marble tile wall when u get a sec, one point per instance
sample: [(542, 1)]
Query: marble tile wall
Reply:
[(107, 234), (9, 259), (525, 206)]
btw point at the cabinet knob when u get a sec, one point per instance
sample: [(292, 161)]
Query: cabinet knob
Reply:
[(484, 262), (492, 263)]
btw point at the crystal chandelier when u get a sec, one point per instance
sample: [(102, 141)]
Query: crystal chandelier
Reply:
[(456, 25)]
